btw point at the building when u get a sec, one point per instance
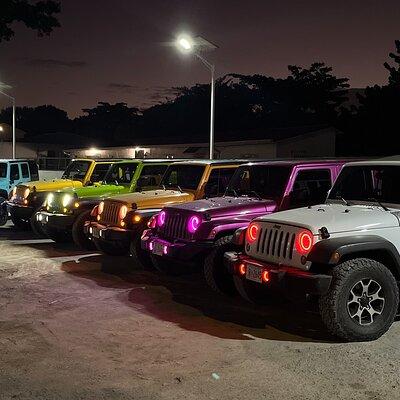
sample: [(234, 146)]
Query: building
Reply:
[(299, 142)]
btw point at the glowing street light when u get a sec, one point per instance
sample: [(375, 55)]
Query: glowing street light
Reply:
[(196, 46), (2, 87)]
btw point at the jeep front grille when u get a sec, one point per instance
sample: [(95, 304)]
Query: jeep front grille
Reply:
[(110, 214), (275, 243), (19, 194), (174, 226)]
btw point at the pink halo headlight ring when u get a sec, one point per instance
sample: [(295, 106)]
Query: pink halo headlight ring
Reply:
[(161, 218), (193, 224)]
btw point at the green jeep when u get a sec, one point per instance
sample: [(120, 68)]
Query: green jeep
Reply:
[(65, 211)]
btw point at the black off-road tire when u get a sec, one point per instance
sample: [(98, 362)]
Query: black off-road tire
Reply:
[(37, 227), (57, 236), (3, 212), (253, 292), (78, 235), (333, 305), (111, 248), (168, 267), (20, 223), (215, 273), (140, 257)]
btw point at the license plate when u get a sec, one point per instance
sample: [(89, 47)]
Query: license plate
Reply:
[(254, 273), (96, 233), (158, 249)]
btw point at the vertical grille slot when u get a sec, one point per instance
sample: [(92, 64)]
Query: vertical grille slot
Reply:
[(174, 227), (260, 239), (291, 245)]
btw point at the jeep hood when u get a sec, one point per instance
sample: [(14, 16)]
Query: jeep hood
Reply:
[(336, 218), (229, 206), (154, 198), (55, 184)]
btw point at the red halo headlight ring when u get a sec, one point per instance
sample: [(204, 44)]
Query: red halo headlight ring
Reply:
[(252, 232), (304, 242)]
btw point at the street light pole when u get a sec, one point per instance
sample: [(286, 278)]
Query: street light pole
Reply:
[(13, 123), (189, 45), (211, 67)]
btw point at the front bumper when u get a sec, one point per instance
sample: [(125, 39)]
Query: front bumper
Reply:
[(185, 252), (59, 222), (20, 210), (291, 281), (95, 230)]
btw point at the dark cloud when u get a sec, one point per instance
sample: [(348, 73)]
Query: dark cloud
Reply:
[(121, 86), (51, 62)]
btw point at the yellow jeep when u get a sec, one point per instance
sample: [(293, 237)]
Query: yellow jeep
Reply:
[(27, 198), (120, 220)]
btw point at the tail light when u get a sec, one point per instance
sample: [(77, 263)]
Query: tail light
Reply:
[(193, 224), (152, 222), (252, 232), (304, 242), (122, 212), (101, 208), (161, 218)]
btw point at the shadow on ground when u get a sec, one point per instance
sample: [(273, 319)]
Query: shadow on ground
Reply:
[(188, 302)]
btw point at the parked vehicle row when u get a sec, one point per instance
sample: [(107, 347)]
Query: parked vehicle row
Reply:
[(257, 229)]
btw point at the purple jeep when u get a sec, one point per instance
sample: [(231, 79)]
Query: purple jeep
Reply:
[(200, 231)]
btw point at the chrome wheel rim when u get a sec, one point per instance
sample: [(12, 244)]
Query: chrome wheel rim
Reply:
[(366, 301)]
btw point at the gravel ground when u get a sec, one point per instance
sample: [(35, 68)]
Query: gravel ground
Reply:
[(75, 325)]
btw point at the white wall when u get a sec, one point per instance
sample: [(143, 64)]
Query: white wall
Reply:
[(318, 144)]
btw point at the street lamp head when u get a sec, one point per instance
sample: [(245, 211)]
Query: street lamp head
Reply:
[(185, 43)]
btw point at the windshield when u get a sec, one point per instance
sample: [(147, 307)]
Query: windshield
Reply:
[(368, 183), (184, 176), (3, 170), (120, 174), (268, 182), (76, 170)]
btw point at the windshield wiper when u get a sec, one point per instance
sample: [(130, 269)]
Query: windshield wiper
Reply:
[(378, 202), (256, 194), (227, 190)]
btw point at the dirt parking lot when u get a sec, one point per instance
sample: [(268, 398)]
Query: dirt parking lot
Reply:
[(83, 326)]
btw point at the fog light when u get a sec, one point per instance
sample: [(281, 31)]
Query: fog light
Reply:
[(151, 246), (91, 230), (165, 249), (122, 223), (265, 276), (242, 269), (47, 219)]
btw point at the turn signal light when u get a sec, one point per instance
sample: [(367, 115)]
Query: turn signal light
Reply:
[(265, 276), (252, 232), (242, 269), (304, 242)]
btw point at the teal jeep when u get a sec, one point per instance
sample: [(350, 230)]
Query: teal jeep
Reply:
[(65, 211)]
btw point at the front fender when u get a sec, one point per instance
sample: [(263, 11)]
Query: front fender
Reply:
[(332, 251)]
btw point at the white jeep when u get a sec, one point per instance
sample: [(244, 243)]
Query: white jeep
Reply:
[(346, 252)]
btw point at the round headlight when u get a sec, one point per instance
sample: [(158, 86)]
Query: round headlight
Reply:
[(50, 199), (26, 193), (161, 218), (66, 200), (14, 192), (101, 208), (122, 212), (193, 224)]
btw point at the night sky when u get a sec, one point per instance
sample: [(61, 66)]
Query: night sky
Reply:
[(117, 50)]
